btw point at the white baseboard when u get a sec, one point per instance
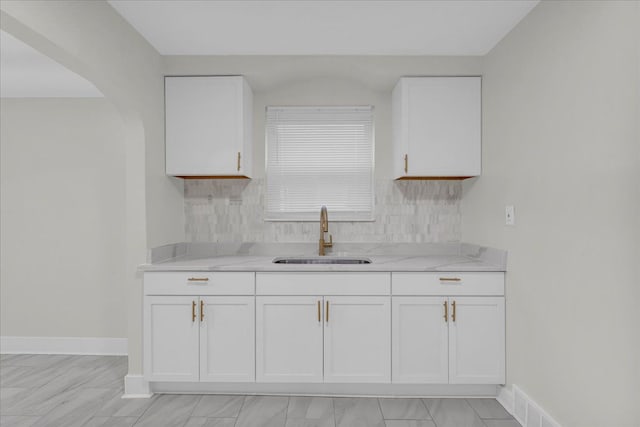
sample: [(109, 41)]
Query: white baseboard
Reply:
[(505, 397), (63, 345), (135, 387), (527, 412), (328, 389)]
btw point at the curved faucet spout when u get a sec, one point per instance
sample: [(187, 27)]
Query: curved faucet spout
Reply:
[(324, 220), (324, 228)]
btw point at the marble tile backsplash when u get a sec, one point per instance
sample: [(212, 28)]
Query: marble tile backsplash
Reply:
[(405, 211)]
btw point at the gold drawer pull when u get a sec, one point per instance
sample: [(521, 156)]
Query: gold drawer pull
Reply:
[(319, 314), (201, 310), (198, 279), (453, 317), (450, 279), (446, 312), (193, 311)]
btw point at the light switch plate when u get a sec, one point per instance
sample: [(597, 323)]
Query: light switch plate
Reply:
[(509, 215)]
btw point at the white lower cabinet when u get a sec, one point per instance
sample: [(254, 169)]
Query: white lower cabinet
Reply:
[(314, 339), (191, 338), (289, 339), (357, 339), (171, 336), (477, 340), (455, 340), (420, 340), (331, 328), (227, 343)]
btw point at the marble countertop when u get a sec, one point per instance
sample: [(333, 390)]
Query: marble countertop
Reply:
[(384, 257)]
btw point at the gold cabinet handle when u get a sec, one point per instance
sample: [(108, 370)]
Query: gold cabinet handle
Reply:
[(326, 313), (238, 161), (193, 311), (446, 311), (319, 309), (406, 163), (201, 310), (453, 316), (198, 279), (450, 279)]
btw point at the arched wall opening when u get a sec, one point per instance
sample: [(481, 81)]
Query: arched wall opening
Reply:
[(141, 121)]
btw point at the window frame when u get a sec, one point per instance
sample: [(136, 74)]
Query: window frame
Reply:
[(313, 216)]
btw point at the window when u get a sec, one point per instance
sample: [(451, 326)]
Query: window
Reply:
[(319, 156)]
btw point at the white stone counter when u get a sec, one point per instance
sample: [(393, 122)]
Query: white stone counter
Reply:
[(384, 257)]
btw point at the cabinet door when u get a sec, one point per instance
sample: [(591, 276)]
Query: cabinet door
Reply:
[(289, 339), (357, 340), (441, 125), (227, 352), (204, 125), (171, 330), (420, 345), (477, 340)]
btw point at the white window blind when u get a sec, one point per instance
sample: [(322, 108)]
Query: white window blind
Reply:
[(319, 156)]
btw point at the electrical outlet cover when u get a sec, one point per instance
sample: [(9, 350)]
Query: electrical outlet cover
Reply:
[(510, 215)]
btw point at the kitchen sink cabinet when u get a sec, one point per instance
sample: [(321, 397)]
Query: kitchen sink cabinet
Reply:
[(324, 331), (437, 127), (289, 335), (331, 339), (208, 123), (357, 339)]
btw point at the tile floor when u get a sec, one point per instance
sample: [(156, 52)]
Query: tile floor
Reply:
[(68, 391)]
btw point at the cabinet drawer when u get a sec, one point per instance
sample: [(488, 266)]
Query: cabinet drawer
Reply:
[(490, 283), (199, 283), (323, 283)]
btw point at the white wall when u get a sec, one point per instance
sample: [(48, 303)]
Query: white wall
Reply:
[(561, 143), (62, 188)]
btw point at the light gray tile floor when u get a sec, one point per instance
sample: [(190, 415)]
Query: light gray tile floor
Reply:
[(85, 391)]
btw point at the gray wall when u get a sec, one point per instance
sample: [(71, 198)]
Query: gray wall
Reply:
[(417, 211), (561, 143), (62, 215)]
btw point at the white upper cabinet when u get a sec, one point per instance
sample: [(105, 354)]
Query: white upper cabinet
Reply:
[(209, 123), (437, 127)]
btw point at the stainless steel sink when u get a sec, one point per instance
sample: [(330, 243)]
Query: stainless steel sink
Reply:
[(321, 260)]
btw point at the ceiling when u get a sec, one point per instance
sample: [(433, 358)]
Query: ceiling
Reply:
[(284, 27), (323, 27), (27, 73)]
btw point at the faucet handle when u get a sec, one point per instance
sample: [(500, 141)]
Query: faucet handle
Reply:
[(329, 244)]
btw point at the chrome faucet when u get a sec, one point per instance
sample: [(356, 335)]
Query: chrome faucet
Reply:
[(324, 228)]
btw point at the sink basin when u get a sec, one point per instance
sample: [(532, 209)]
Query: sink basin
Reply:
[(322, 260)]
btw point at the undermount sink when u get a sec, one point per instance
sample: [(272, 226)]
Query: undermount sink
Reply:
[(322, 260)]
